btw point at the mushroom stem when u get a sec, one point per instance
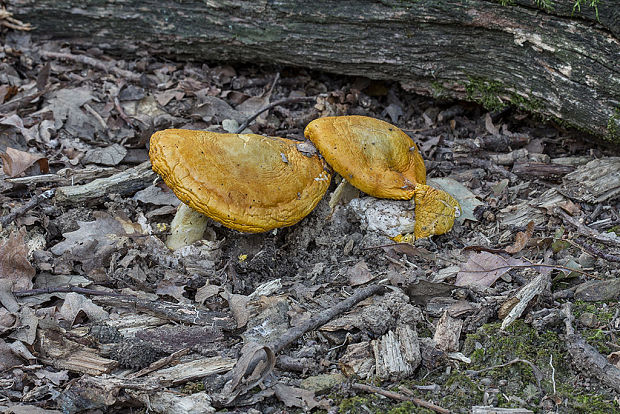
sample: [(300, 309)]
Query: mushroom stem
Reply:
[(344, 193), (187, 227)]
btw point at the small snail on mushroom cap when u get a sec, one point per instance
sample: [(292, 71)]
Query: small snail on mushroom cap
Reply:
[(247, 182), (384, 162)]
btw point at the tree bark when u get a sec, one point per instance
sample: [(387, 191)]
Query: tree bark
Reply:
[(560, 62)]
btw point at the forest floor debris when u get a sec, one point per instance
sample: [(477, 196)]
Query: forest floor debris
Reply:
[(516, 308)]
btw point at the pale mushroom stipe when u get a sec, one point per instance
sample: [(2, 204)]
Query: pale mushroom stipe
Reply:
[(254, 183)]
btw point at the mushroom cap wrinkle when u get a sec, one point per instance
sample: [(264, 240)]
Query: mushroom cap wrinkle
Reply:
[(373, 155), (247, 182)]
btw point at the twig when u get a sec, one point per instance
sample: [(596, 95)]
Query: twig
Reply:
[(125, 182), (96, 63), (400, 397), (596, 252), (552, 372), (34, 201), (19, 103), (381, 246), (587, 231), (258, 360), (533, 265), (63, 289), (322, 318), (178, 312), (538, 375), (97, 116), (159, 363), (273, 84), (487, 165), (271, 105), (586, 357), (7, 20), (122, 113)]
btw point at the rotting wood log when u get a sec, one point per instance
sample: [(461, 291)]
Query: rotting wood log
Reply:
[(550, 57)]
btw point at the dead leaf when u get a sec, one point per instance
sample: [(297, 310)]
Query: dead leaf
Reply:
[(7, 92), (205, 292), (570, 207), (238, 307), (212, 109), (28, 323), (8, 321), (56, 378), (163, 98), (172, 289), (15, 162), (14, 264), (76, 303), (448, 332), (223, 74), (614, 358), (101, 235), (16, 121), (159, 195), (66, 101), (427, 146), (488, 123), (359, 274), (7, 299), (7, 357), (296, 397), (230, 125), (394, 111), (43, 76), (253, 104), (484, 268), (111, 155), (255, 363), (521, 239), (235, 97), (131, 93)]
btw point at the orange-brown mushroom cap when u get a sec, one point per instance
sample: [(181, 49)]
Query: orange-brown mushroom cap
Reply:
[(373, 155), (247, 182)]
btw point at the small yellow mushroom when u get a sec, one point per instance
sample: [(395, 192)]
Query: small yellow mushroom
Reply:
[(373, 155), (435, 211), (383, 161), (247, 182)]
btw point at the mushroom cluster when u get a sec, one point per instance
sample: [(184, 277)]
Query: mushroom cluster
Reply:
[(254, 183)]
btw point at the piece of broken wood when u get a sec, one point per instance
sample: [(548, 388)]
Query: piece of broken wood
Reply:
[(586, 357), (126, 182), (397, 353), (178, 312), (541, 170), (193, 370), (63, 353)]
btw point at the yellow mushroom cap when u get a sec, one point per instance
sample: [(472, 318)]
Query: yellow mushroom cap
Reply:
[(373, 155), (247, 182), (435, 211)]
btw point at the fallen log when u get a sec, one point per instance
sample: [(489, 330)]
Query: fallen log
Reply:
[(558, 58)]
